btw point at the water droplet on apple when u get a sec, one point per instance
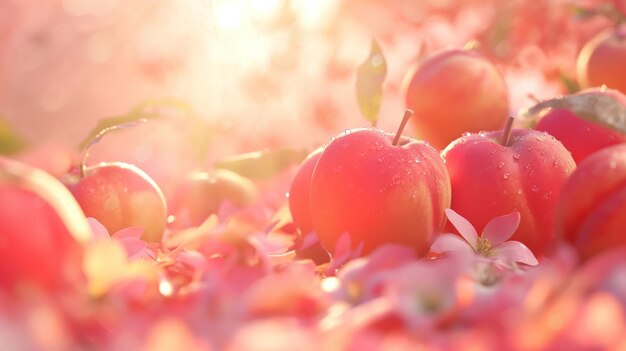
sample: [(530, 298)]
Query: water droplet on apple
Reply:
[(500, 165), (417, 160), (613, 165), (287, 195), (539, 138), (482, 133), (534, 188), (466, 134), (347, 131), (516, 157), (519, 191), (505, 176), (491, 152)]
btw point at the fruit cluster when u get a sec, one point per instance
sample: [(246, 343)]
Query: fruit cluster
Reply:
[(471, 226)]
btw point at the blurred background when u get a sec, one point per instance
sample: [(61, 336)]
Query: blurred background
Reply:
[(256, 73)]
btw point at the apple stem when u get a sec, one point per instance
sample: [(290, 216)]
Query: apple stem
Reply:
[(407, 114), (97, 137), (506, 133)]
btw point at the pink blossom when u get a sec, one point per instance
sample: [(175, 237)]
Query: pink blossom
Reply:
[(492, 244), (129, 237)]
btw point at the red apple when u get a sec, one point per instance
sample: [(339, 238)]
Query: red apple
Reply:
[(299, 193), (120, 195), (41, 228), (492, 177), (591, 211), (601, 60), (455, 91), (202, 193), (580, 136), (378, 191)]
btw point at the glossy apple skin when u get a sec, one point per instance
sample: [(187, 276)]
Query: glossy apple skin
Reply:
[(120, 195), (453, 92), (299, 193), (202, 193), (42, 229), (581, 137), (490, 180), (378, 193), (601, 60), (591, 212)]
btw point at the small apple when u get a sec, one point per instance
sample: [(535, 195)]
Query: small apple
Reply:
[(120, 195), (496, 173), (41, 228), (455, 91), (299, 193), (202, 193), (601, 60), (591, 212), (378, 188)]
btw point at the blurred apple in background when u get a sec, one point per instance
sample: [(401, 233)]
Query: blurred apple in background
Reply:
[(453, 92), (300, 193), (379, 191), (493, 174), (591, 211), (120, 195), (581, 136), (41, 229), (601, 60), (202, 193)]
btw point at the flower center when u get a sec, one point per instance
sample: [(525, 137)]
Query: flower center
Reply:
[(483, 247)]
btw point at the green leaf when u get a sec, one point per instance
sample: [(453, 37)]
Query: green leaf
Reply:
[(594, 106), (147, 110), (262, 164), (369, 83), (10, 142)]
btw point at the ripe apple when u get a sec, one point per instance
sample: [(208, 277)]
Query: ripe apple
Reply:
[(580, 136), (591, 212), (379, 191), (41, 228), (299, 193), (601, 60), (455, 91), (120, 195), (202, 193), (496, 173)]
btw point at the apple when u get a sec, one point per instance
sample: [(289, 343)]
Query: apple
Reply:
[(452, 92), (42, 228), (299, 193), (493, 174), (601, 60), (591, 211), (120, 195), (562, 119), (378, 188), (201, 194)]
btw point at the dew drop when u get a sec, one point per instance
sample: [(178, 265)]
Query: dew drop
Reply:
[(500, 165), (534, 188), (613, 164), (516, 157), (417, 160), (466, 134), (505, 176), (519, 191)]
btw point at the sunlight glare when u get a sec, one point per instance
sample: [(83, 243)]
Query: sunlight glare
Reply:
[(228, 16)]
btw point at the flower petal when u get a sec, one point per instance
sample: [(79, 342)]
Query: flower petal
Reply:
[(130, 232), (514, 251), (99, 231), (451, 243), (501, 228), (465, 228)]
